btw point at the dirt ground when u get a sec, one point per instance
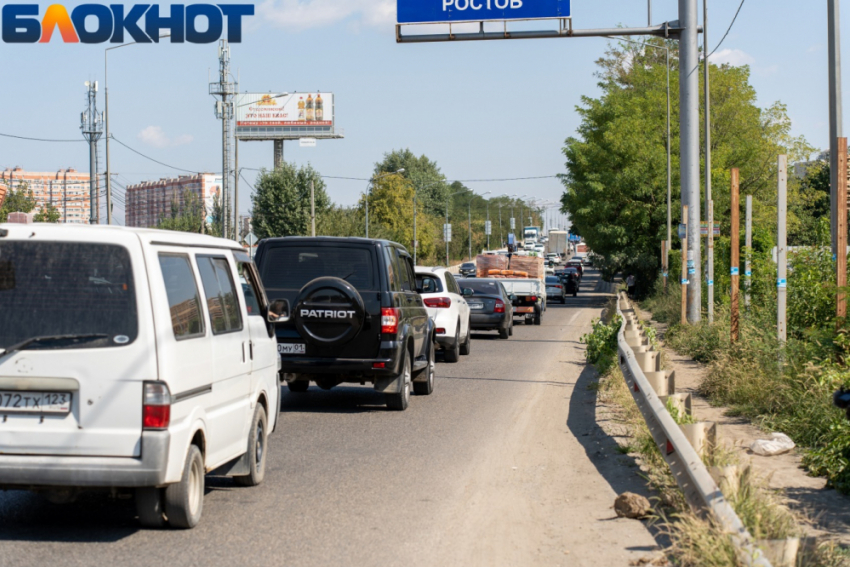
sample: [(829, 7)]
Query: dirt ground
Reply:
[(828, 511)]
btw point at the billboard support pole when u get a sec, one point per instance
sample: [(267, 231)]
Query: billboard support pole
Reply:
[(278, 154), (836, 118)]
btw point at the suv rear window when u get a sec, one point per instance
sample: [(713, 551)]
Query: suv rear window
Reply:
[(66, 288), (291, 267)]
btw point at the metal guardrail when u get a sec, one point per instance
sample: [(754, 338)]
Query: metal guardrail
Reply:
[(699, 488)]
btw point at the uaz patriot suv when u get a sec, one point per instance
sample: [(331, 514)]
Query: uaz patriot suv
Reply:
[(356, 315)]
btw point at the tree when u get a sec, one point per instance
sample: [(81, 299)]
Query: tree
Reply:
[(616, 180), (391, 216), (424, 173), (18, 200), (186, 216), (281, 201), (341, 221), (48, 213), (216, 226)]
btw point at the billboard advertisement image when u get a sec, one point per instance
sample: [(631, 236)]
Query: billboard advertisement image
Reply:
[(292, 115)]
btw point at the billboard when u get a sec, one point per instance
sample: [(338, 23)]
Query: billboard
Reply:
[(269, 116), (445, 11)]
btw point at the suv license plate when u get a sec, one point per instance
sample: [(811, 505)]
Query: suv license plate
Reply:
[(34, 402), (292, 348)]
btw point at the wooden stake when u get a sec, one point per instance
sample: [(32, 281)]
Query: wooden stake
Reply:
[(735, 238), (841, 233), (685, 269)]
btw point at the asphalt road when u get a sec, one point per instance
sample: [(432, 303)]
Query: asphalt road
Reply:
[(503, 464)]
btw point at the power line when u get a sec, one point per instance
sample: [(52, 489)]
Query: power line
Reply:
[(37, 139), (152, 159), (728, 30)]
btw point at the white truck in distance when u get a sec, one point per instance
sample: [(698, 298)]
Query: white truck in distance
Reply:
[(558, 242)]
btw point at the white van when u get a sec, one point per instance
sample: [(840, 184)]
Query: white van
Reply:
[(133, 358)]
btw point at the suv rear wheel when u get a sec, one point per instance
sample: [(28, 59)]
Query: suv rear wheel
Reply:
[(400, 400), (466, 346), (452, 353), (426, 386)]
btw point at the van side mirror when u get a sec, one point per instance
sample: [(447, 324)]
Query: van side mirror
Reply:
[(278, 311), (468, 292)]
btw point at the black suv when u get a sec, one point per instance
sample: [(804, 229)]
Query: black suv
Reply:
[(356, 315)]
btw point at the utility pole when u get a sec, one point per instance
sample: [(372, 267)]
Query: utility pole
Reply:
[(224, 90), (237, 229), (841, 233), (710, 240), (91, 124), (836, 118), (469, 208), (689, 148), (684, 318), (735, 244), (748, 268), (312, 209), (782, 248)]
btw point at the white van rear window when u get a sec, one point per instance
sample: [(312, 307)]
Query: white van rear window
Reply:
[(51, 289)]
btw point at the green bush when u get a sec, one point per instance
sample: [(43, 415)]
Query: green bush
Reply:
[(602, 344)]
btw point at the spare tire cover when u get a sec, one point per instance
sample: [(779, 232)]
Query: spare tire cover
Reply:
[(329, 312)]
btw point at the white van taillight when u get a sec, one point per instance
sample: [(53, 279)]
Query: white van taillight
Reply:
[(389, 320), (156, 406)]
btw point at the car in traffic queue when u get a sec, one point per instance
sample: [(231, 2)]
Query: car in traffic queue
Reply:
[(356, 315), (133, 361), (555, 290), (570, 280), (447, 306), (467, 270), (578, 267), (553, 257), (490, 306)]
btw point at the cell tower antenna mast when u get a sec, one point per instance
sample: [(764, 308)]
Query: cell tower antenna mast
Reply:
[(91, 124), (224, 91)]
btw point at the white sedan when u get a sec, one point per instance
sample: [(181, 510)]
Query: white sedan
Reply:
[(447, 307)]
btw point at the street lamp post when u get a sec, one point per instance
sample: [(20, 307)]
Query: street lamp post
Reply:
[(445, 228), (369, 186), (106, 112)]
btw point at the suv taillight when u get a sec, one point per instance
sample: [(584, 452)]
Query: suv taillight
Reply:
[(500, 307), (156, 406), (440, 302), (389, 320)]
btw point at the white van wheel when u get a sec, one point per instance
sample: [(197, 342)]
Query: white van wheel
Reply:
[(184, 500), (149, 507), (257, 447)]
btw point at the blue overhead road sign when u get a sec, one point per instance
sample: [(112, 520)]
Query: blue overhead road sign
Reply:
[(444, 11)]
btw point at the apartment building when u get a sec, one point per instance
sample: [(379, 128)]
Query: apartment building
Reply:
[(149, 201), (66, 189)]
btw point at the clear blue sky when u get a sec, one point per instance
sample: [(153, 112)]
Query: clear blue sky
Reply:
[(480, 109)]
